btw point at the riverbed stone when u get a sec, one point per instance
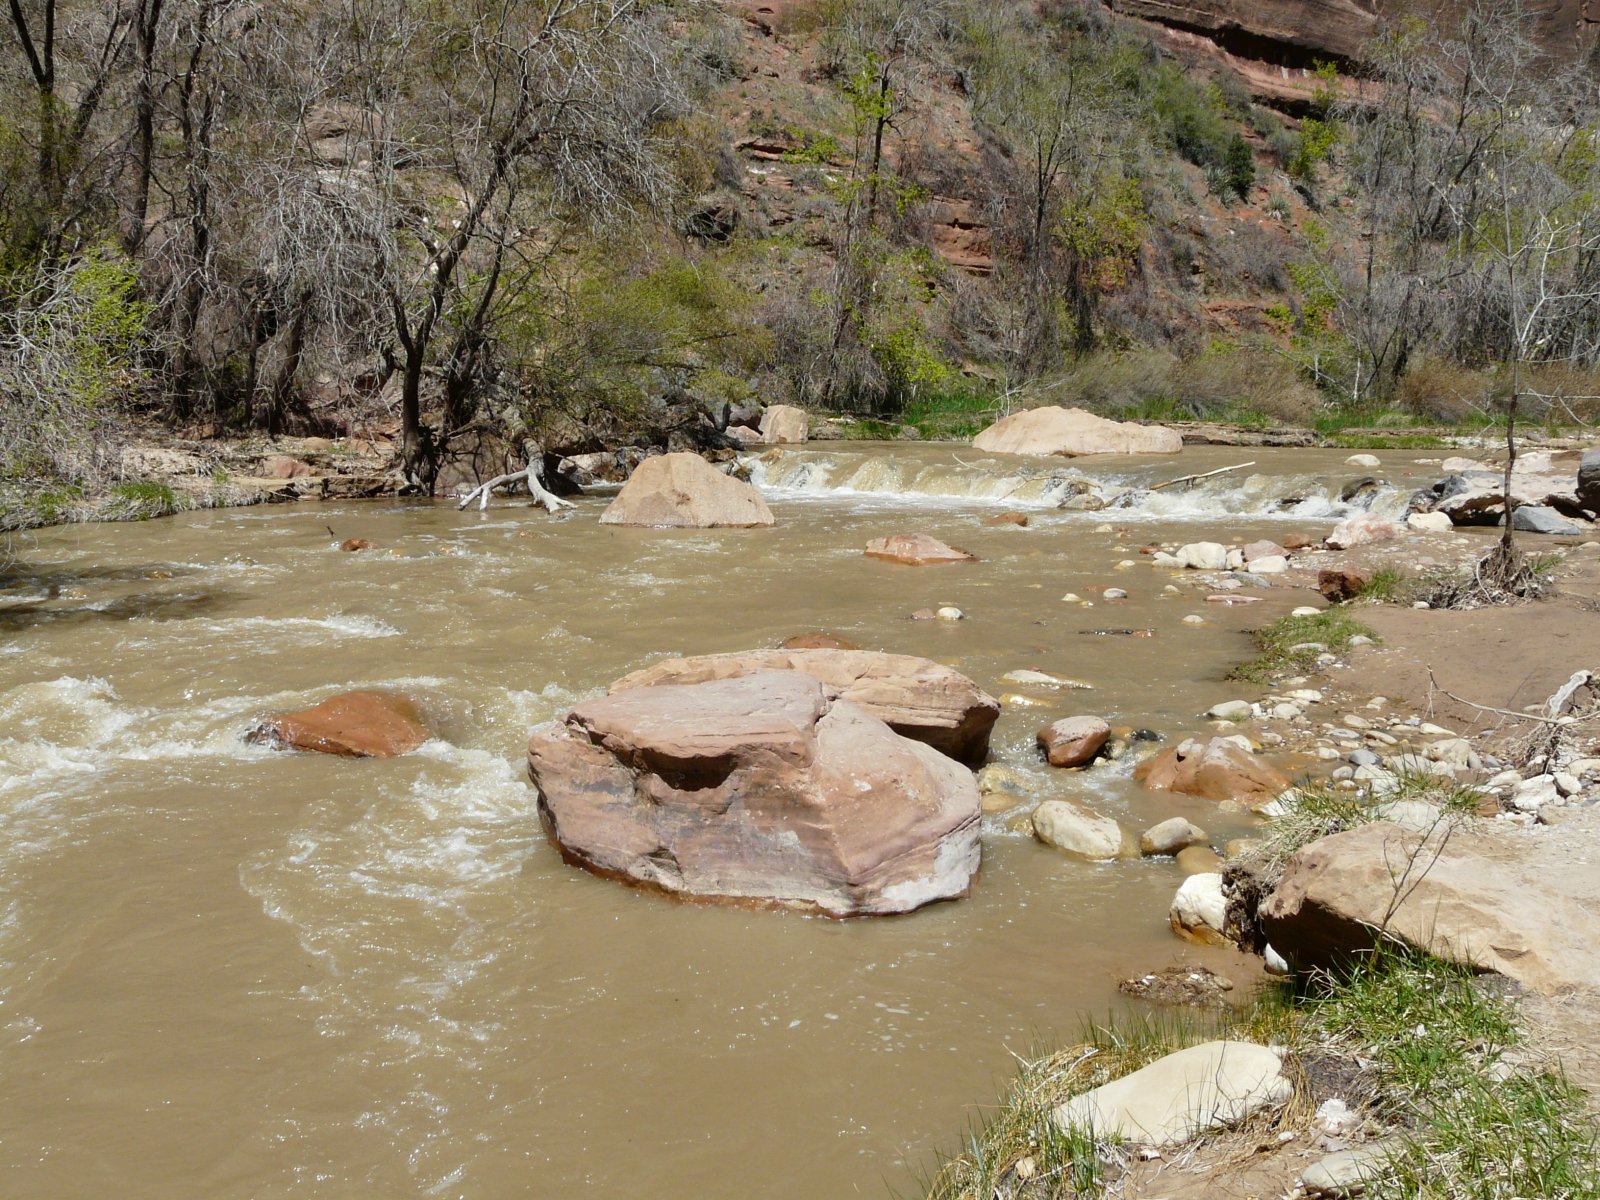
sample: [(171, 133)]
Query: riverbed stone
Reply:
[(1263, 549), (1070, 826), (1429, 522), (1198, 860), (1361, 530), (1231, 710), (1203, 556), (1538, 518), (1073, 741), (1214, 768), (916, 697), (1456, 892), (351, 724), (1212, 1085), (761, 787), (1172, 835), (1071, 432), (1338, 584), (1199, 910), (781, 423), (915, 550), (685, 491), (1348, 1172)]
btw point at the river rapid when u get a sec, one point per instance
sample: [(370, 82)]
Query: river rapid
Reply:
[(232, 972)]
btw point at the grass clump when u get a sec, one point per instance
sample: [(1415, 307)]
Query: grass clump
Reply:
[(1295, 642), (140, 500), (1386, 585), (951, 415)]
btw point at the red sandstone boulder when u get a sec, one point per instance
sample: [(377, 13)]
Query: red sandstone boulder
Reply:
[(760, 787), (916, 697), (1340, 584), (1073, 741), (915, 550), (685, 491), (1213, 769), (819, 640), (354, 724), (351, 545)]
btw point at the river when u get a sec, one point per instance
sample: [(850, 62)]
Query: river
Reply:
[(232, 972)]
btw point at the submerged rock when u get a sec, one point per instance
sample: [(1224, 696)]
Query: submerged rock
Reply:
[(760, 787), (1070, 432), (916, 697), (685, 491), (915, 550), (1067, 825), (352, 724)]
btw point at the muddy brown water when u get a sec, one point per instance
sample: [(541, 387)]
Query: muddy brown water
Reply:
[(230, 972)]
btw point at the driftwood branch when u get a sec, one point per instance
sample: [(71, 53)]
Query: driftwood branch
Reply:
[(1202, 475), (530, 476), (1553, 714)]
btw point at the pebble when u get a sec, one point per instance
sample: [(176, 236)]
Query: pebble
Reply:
[(1071, 598), (1355, 722), (1365, 758), (1306, 695), (1115, 594), (951, 613)]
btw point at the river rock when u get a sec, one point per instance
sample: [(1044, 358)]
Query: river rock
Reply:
[(1271, 565), (1429, 522), (1203, 556), (783, 423), (1588, 490), (1213, 769), (352, 724), (1537, 518), (1348, 1172), (1073, 741), (1361, 530), (1211, 1085), (1367, 462), (1455, 892), (1070, 826), (1231, 710), (819, 640), (761, 787), (916, 697), (1263, 549), (1198, 860), (1341, 583), (1172, 835), (1199, 910), (1008, 518), (915, 550), (685, 491), (1070, 432)]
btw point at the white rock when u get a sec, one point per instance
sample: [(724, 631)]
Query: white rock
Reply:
[(1235, 559), (1162, 559), (1455, 751), (1286, 711), (1174, 1098), (951, 613), (1347, 1172), (1305, 695), (1231, 710), (1305, 610), (1204, 556), (1172, 835), (1567, 784), (1273, 962), (1416, 815), (1194, 619), (1077, 830), (1365, 461), (1429, 522), (1360, 530), (1199, 910), (1114, 594), (1532, 794), (1334, 1118), (1272, 564)]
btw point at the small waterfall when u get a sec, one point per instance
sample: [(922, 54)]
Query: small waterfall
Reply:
[(923, 475)]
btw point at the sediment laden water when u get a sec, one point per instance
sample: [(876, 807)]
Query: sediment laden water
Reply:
[(229, 972)]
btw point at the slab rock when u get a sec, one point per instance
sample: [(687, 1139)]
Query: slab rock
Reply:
[(684, 491), (1213, 769), (916, 697), (1070, 432), (352, 724), (1212, 1085), (915, 550), (1455, 893), (757, 788)]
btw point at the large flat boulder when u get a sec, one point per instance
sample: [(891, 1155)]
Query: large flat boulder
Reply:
[(1541, 478), (761, 787), (915, 550), (1459, 893), (685, 491), (783, 423), (1070, 432), (1214, 769), (1204, 1087), (916, 697), (351, 724)]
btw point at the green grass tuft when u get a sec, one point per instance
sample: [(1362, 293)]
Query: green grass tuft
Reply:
[(1332, 627)]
